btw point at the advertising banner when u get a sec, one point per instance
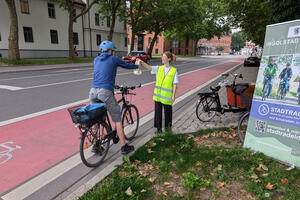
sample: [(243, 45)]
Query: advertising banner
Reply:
[(274, 123)]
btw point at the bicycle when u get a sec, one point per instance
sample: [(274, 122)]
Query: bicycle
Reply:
[(267, 86), (96, 131), (281, 93), (209, 103)]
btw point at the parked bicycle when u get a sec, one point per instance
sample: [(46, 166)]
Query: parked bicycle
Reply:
[(242, 125), (266, 87), (239, 98), (96, 129)]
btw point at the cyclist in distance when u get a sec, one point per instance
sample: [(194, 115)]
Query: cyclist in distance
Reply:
[(269, 73), (105, 70), (285, 75)]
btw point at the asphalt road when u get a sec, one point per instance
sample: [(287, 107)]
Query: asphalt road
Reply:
[(23, 93)]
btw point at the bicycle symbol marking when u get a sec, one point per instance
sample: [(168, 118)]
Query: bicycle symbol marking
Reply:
[(263, 109), (6, 154)]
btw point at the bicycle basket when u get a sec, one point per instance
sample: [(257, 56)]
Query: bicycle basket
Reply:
[(88, 113), (74, 116)]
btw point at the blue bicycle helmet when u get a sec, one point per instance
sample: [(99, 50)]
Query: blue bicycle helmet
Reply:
[(106, 45)]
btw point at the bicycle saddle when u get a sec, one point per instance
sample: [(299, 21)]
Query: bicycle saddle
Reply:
[(215, 89)]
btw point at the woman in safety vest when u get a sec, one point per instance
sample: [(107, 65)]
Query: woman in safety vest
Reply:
[(165, 89)]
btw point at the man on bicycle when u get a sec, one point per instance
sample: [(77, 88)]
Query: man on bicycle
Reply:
[(285, 76), (269, 74), (105, 70)]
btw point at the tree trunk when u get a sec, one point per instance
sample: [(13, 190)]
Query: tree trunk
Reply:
[(70, 29), (195, 47), (112, 26), (13, 38), (152, 44), (132, 40)]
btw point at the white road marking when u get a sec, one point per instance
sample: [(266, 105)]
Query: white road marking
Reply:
[(46, 177), (12, 88)]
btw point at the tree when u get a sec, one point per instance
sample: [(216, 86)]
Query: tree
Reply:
[(284, 10), (203, 19), (69, 6), (252, 16), (110, 9), (219, 48), (13, 38), (238, 41)]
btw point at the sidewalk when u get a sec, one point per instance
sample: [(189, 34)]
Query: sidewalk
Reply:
[(188, 122)]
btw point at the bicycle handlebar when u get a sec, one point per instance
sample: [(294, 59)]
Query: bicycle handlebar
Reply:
[(121, 87)]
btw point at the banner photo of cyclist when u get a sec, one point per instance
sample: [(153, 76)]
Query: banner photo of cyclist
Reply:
[(274, 123)]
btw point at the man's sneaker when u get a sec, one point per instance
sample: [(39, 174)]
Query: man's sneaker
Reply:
[(126, 149), (97, 149)]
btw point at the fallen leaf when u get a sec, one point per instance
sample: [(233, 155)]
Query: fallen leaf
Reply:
[(202, 189), (150, 151), (221, 184), (198, 163), (265, 174), (263, 167), (270, 186), (152, 179), (143, 190), (254, 176), (284, 181), (219, 167), (205, 136), (167, 183), (165, 193), (128, 191), (153, 144), (258, 169)]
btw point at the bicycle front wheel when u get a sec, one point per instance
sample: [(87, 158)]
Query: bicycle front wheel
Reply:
[(206, 109), (130, 121), (242, 126), (94, 144)]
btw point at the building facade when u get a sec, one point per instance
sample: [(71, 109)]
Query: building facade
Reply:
[(209, 47), (43, 30)]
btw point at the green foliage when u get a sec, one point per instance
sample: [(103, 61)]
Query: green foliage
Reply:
[(284, 10), (220, 48), (192, 181), (238, 41)]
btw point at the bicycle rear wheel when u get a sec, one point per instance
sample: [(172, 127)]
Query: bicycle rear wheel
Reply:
[(94, 145), (206, 109), (242, 126), (130, 121)]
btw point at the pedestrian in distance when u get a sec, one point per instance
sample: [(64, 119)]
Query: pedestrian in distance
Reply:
[(105, 70), (75, 51), (165, 89)]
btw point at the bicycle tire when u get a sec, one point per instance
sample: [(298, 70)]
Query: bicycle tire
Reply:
[(265, 91), (242, 126), (204, 106), (130, 121), (88, 140)]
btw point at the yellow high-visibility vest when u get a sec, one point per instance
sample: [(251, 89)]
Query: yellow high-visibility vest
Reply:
[(163, 90)]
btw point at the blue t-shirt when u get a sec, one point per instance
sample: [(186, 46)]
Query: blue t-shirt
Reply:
[(105, 70)]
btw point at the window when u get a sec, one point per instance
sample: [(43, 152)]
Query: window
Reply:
[(51, 10), (75, 38), (156, 51), (97, 22), (149, 40), (98, 37), (125, 42), (54, 36), (28, 36), (125, 25), (157, 40), (74, 14), (108, 21), (175, 44), (24, 6)]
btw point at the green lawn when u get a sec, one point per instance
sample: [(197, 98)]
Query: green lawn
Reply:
[(209, 164), (45, 61)]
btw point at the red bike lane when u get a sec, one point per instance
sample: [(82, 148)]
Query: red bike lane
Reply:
[(41, 142)]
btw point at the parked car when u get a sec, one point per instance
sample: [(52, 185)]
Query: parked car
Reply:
[(132, 56), (255, 61)]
